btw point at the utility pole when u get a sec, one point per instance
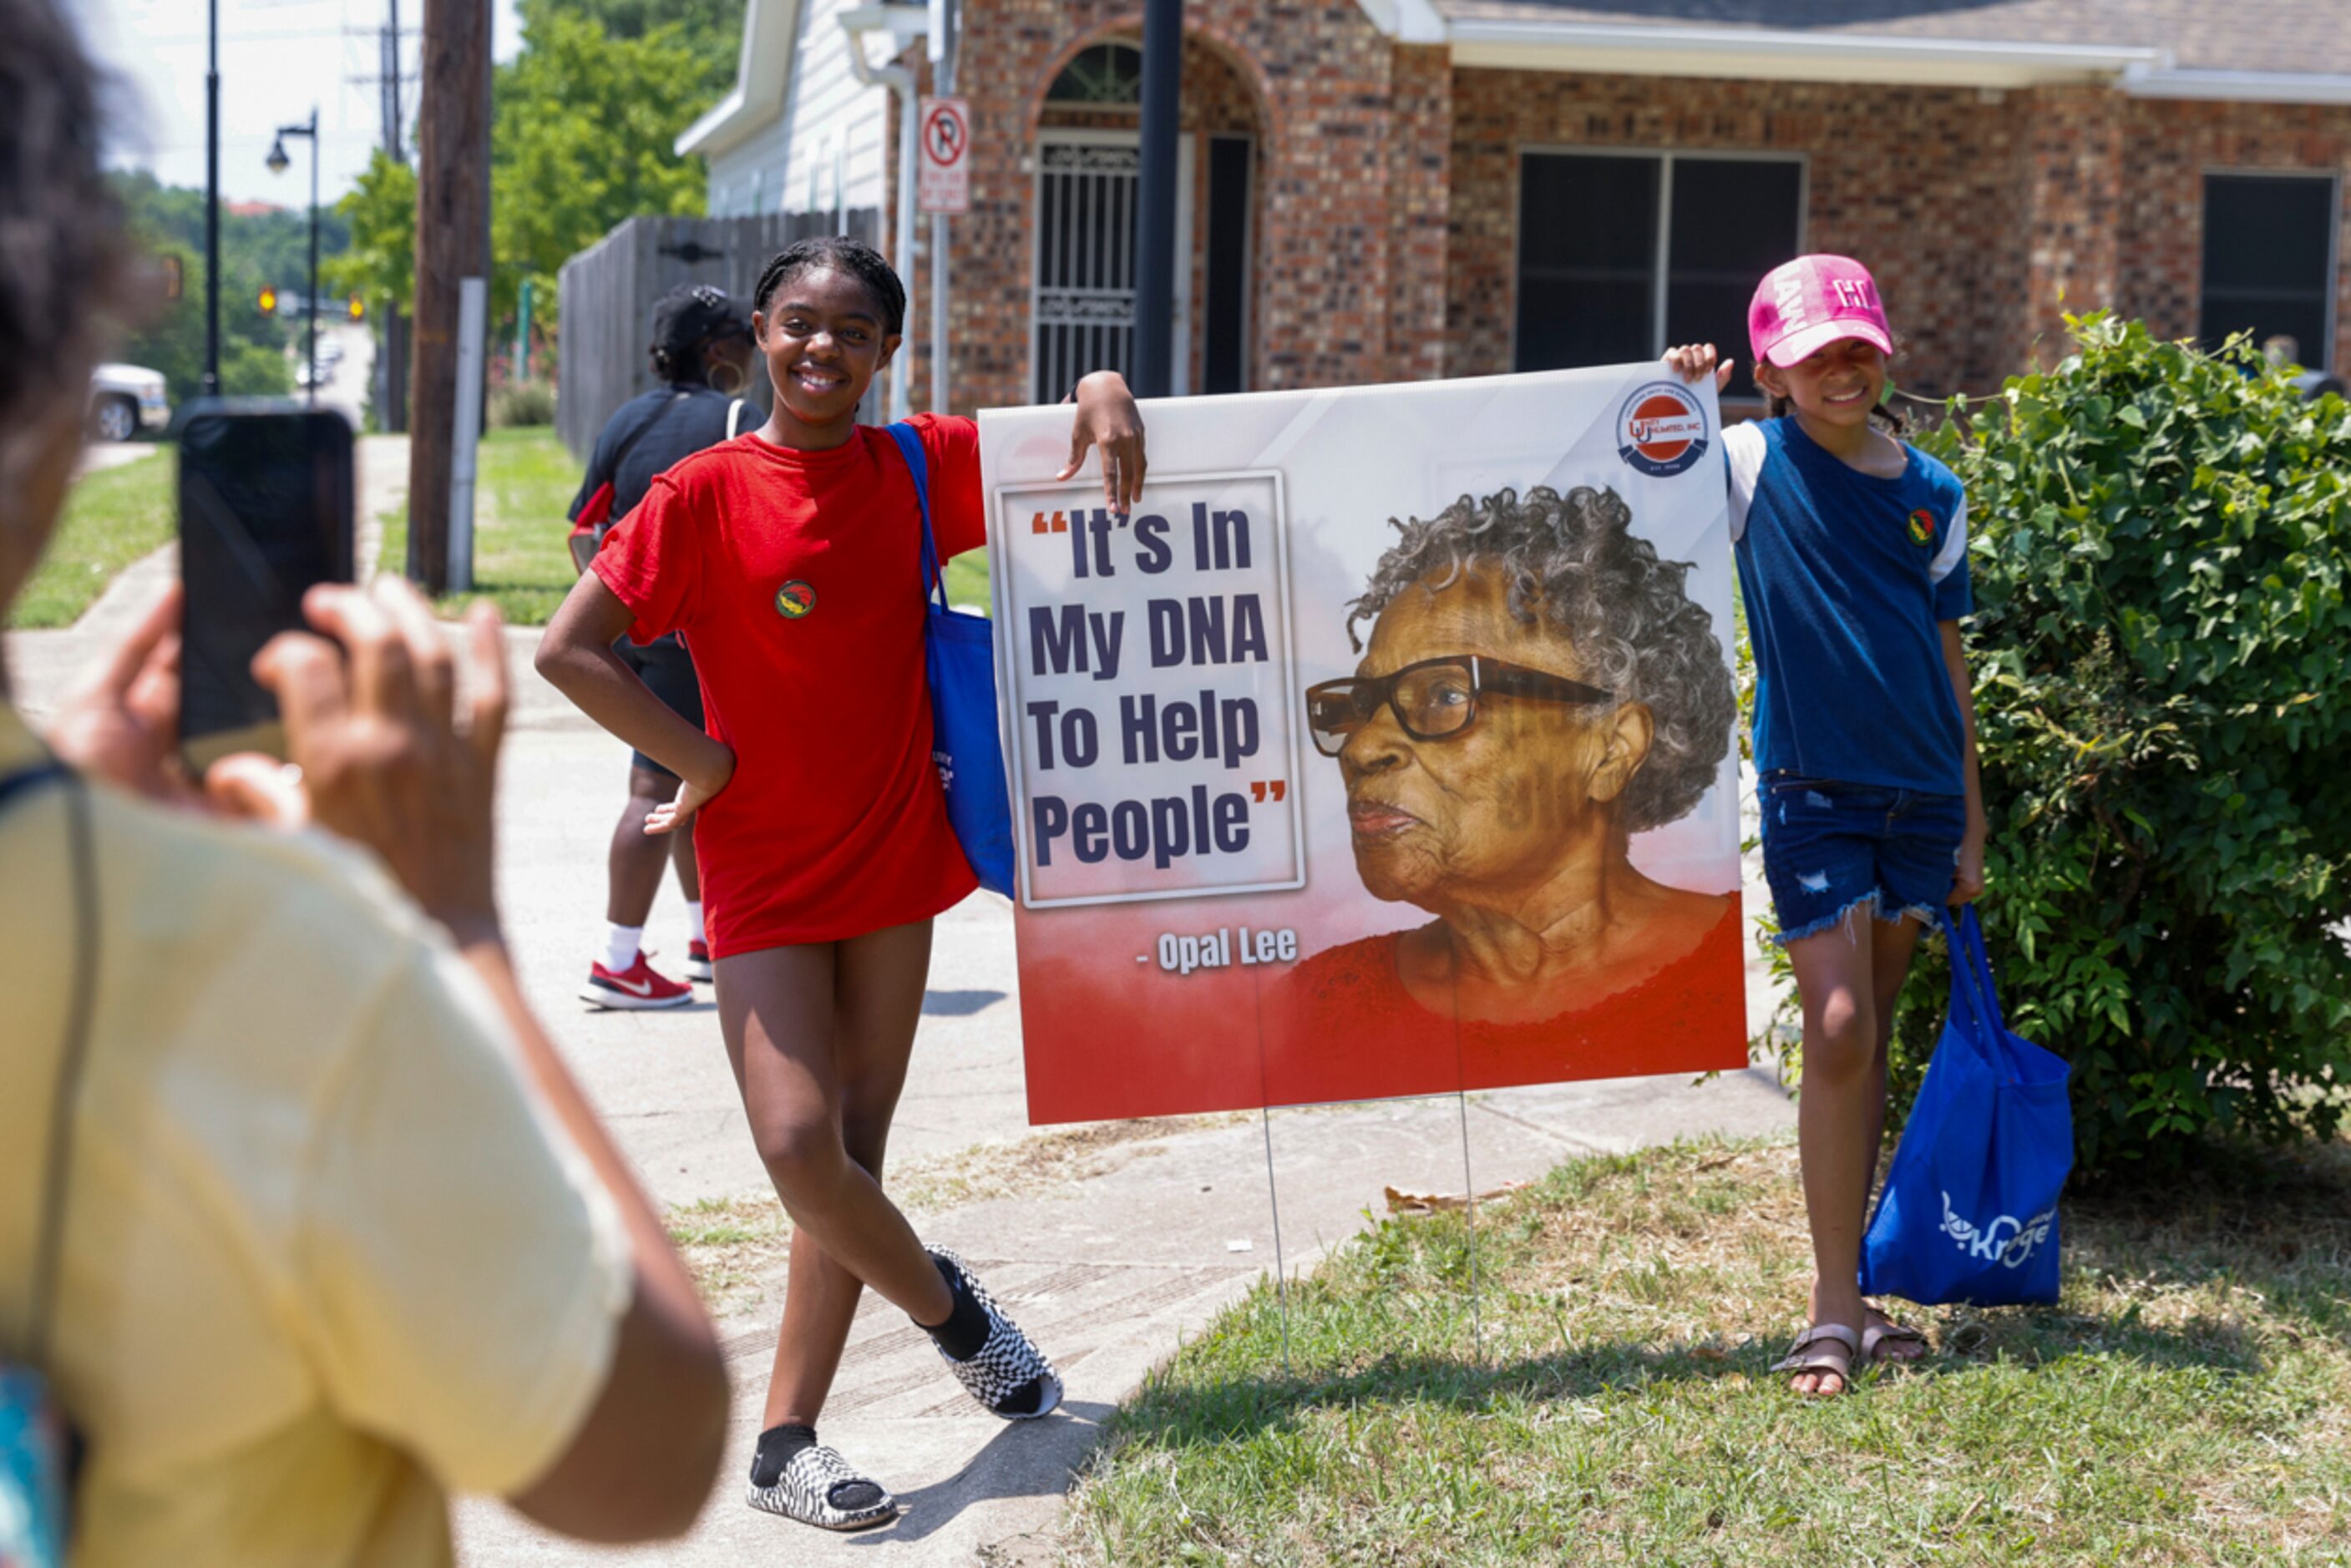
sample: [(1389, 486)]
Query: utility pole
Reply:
[(1154, 227), (453, 243), (392, 319)]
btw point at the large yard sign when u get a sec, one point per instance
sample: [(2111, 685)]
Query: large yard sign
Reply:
[(1502, 849)]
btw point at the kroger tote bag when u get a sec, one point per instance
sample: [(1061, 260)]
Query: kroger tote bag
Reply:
[(1969, 1209), (959, 653)]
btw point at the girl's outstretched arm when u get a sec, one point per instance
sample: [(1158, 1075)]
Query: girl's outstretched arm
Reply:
[(1108, 422), (1968, 877), (577, 659)]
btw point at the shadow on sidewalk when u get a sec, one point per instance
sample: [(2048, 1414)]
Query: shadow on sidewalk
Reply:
[(1027, 1458)]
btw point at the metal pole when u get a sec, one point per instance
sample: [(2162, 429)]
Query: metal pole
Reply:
[(902, 376), (391, 69), (212, 207), (1155, 270), (942, 44), (465, 430), (522, 332), (311, 312)]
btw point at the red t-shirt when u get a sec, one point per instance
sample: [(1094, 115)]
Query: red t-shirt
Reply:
[(797, 580)]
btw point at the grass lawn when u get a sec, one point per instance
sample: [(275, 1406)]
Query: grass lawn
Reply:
[(112, 518), (2189, 1401), (524, 483)]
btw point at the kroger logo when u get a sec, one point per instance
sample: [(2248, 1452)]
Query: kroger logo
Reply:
[(2008, 1238), (1661, 429)]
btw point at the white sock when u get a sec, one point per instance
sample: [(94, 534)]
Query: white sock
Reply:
[(694, 920), (621, 944)]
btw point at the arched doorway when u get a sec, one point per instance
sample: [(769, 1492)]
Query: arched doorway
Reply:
[(1088, 176)]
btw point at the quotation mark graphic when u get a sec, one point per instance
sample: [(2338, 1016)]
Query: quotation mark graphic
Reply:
[(1060, 523), (1277, 786)]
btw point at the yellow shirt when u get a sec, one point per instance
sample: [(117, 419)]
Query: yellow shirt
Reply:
[(326, 1255)]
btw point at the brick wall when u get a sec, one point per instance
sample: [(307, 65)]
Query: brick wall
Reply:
[(1386, 191), (2170, 147), (1917, 183), (1315, 81)]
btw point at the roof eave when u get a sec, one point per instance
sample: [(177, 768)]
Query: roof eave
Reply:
[(762, 72), (2240, 87), (1776, 53)]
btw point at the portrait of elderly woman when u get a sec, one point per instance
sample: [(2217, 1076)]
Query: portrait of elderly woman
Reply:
[(1537, 689)]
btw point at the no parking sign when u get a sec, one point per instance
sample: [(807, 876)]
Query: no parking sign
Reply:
[(945, 156)]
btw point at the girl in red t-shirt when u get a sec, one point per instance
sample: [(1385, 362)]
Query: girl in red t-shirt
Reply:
[(790, 559)]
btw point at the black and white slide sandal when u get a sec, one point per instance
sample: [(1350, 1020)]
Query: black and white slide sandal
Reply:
[(811, 1481), (1008, 1361)]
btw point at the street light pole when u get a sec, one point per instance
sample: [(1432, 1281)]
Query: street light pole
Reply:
[(212, 208), (277, 161)]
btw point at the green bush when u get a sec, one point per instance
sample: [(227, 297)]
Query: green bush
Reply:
[(2162, 538), (521, 403)]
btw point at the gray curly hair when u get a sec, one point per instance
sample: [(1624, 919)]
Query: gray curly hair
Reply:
[(1573, 562)]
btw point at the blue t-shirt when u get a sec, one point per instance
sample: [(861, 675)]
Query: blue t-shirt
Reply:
[(1845, 576)]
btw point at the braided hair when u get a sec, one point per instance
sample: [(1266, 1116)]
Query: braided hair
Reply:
[(837, 252)]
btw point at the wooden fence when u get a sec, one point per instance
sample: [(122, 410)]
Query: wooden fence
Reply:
[(605, 319)]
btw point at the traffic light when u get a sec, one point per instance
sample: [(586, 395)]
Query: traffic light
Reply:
[(359, 308), (174, 279), (268, 300)]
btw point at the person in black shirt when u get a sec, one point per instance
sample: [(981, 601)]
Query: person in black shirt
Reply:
[(702, 351)]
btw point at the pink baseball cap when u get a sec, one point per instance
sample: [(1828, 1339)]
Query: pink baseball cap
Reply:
[(1804, 305)]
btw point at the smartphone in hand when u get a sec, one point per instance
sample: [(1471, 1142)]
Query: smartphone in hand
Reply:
[(265, 505)]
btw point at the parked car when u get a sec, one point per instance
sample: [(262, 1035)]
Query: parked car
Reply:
[(125, 399)]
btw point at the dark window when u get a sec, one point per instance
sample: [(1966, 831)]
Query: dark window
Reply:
[(1104, 74), (1590, 252), (2268, 245), (1733, 221), (1587, 260), (1225, 349)]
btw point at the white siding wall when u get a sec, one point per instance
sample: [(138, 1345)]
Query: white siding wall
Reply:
[(749, 178), (833, 126)]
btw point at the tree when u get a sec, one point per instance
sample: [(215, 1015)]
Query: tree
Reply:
[(582, 134), (170, 220), (710, 30), (2162, 554), (381, 212)]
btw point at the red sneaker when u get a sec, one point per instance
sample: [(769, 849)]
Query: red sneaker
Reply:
[(636, 986), (698, 961)]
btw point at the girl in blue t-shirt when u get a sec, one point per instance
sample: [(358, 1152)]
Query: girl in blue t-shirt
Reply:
[(1851, 553)]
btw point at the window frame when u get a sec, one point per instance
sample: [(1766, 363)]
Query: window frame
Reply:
[(2332, 292), (1661, 288)]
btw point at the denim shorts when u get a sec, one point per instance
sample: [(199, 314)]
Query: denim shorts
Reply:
[(1830, 846)]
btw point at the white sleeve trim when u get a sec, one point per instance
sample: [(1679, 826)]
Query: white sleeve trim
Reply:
[(1955, 544), (1744, 447)]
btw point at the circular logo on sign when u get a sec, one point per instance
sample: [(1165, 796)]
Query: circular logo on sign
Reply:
[(1661, 429), (795, 599), (1922, 526)]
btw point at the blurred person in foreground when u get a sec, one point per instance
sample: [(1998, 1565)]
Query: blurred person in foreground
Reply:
[(339, 1234)]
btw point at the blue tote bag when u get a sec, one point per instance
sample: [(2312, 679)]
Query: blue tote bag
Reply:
[(959, 653), (1969, 1209)]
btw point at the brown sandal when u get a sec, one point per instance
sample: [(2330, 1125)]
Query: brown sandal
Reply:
[(1810, 1354), (1878, 1335)]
